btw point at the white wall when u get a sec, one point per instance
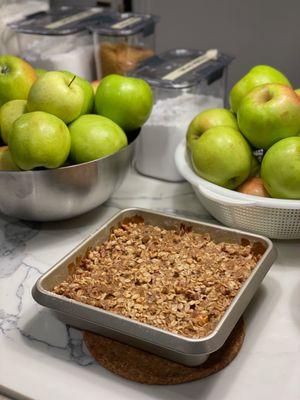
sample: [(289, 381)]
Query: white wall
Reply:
[(255, 31)]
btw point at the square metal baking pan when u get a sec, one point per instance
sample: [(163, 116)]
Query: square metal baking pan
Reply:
[(178, 348)]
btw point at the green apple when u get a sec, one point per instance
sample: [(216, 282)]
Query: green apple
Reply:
[(297, 91), (9, 112), (209, 119), (126, 101), (39, 139), (269, 113), (222, 156), (258, 75), (40, 72), (6, 162), (88, 90), (255, 167), (16, 78), (94, 136), (61, 94), (280, 169)]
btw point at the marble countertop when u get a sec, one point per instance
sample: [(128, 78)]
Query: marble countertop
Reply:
[(41, 358)]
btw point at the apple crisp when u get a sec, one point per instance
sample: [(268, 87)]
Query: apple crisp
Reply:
[(177, 280)]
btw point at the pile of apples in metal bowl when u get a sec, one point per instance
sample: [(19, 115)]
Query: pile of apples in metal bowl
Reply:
[(66, 143), (244, 163)]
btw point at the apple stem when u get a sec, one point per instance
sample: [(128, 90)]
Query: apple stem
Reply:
[(72, 80), (4, 69)]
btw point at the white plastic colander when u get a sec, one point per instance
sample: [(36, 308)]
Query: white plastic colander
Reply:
[(275, 218)]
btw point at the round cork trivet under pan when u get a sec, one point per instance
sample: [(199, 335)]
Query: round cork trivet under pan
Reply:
[(141, 366)]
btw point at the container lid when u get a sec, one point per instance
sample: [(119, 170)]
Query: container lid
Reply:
[(59, 21), (125, 24), (181, 68)]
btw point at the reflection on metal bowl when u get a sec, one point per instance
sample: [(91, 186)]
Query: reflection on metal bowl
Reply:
[(49, 195)]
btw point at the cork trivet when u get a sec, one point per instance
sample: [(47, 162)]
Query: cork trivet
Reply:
[(141, 366)]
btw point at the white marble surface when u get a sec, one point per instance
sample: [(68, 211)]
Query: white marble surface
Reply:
[(40, 358)]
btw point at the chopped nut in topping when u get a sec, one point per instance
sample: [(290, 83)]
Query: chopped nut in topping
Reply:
[(179, 281)]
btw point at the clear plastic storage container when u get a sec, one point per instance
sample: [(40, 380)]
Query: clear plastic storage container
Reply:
[(10, 10), (184, 83), (122, 42), (58, 39)]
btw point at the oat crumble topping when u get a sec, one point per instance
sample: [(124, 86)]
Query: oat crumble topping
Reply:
[(179, 281)]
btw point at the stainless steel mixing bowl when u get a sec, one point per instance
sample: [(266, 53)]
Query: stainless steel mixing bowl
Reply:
[(49, 195)]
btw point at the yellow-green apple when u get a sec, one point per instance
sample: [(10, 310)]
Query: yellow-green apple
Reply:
[(258, 75), (94, 136), (16, 78), (222, 156), (40, 72), (209, 119), (297, 91), (9, 112), (255, 166), (253, 186), (39, 139), (62, 94), (269, 113), (126, 101), (6, 162), (88, 90), (280, 169)]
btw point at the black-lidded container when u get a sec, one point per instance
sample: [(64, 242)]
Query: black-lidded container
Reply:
[(184, 82), (122, 42), (58, 39)]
